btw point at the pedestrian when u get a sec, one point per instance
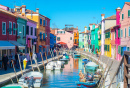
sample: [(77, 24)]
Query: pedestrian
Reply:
[(97, 52), (21, 59), (34, 57), (5, 61), (16, 60), (92, 50)]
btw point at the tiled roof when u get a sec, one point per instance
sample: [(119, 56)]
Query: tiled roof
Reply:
[(128, 3), (113, 17), (7, 12), (29, 11), (20, 16)]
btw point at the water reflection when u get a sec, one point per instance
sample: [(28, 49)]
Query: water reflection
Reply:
[(65, 77)]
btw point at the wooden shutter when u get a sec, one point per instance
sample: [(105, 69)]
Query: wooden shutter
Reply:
[(119, 33), (122, 16), (128, 13)]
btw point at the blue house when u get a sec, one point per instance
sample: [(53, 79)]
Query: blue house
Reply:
[(52, 40)]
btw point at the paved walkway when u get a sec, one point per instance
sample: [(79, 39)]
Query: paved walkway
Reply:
[(5, 76), (113, 69)]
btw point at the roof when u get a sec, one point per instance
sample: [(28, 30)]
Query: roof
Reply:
[(87, 31), (128, 3), (7, 12), (29, 12), (25, 18), (113, 17)]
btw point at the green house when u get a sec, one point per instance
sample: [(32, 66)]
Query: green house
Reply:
[(21, 32)]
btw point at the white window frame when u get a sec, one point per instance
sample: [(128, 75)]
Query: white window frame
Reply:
[(2, 28), (17, 29), (24, 30), (13, 28)]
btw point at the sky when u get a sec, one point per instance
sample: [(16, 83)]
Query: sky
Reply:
[(79, 13)]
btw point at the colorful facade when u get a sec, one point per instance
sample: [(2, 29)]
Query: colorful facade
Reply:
[(99, 38), (76, 38), (52, 40), (86, 39), (125, 28), (81, 39)]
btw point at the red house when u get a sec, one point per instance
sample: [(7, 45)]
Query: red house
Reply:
[(47, 31), (8, 25)]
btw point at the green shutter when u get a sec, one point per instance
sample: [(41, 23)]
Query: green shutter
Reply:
[(119, 33), (122, 16), (108, 47), (128, 13)]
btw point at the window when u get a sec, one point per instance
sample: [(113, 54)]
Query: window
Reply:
[(107, 47), (3, 28), (129, 30), (27, 30), (125, 32), (43, 22), (23, 30), (83, 35), (58, 38), (44, 36), (46, 22), (10, 28), (75, 40), (128, 13), (115, 33), (14, 29), (40, 35), (40, 21), (121, 33), (31, 30), (127, 48), (122, 16), (35, 31), (70, 38), (18, 29), (119, 49)]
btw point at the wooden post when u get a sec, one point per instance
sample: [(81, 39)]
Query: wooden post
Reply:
[(20, 65), (30, 60), (42, 60), (46, 57), (106, 74), (14, 70)]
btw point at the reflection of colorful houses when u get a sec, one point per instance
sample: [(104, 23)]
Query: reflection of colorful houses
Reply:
[(125, 28)]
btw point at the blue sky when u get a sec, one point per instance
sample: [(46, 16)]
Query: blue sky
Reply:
[(76, 12)]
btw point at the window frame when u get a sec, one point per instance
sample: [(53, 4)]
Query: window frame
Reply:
[(128, 13), (13, 28), (40, 21), (121, 33), (58, 39), (24, 30), (31, 30), (122, 16), (17, 29), (28, 30), (2, 28), (10, 28), (46, 22)]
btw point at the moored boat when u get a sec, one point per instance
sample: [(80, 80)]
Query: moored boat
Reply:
[(13, 86), (31, 79), (77, 56), (91, 66)]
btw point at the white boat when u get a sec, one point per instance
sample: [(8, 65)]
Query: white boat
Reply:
[(50, 65), (31, 79), (57, 67)]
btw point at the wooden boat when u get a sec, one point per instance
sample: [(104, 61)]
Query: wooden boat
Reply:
[(64, 59), (13, 86), (77, 56), (31, 79), (88, 84)]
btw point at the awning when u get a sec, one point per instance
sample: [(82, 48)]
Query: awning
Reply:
[(6, 45), (75, 44), (62, 43), (44, 46), (20, 46)]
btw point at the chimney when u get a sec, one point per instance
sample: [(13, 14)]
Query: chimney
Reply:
[(118, 16), (85, 29), (102, 16), (37, 10), (23, 9)]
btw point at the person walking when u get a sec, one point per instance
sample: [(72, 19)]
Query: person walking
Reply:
[(5, 61), (97, 52), (16, 60)]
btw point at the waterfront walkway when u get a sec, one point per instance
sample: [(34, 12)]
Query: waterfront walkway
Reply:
[(5, 76), (112, 71)]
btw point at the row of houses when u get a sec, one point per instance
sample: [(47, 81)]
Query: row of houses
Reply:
[(111, 36), (23, 30)]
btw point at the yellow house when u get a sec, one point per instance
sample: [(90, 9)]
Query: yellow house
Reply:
[(76, 38), (107, 45), (41, 23)]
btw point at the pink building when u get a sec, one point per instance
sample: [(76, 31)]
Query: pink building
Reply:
[(125, 28), (64, 36)]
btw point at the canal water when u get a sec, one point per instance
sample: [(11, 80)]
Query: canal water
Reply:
[(65, 77)]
